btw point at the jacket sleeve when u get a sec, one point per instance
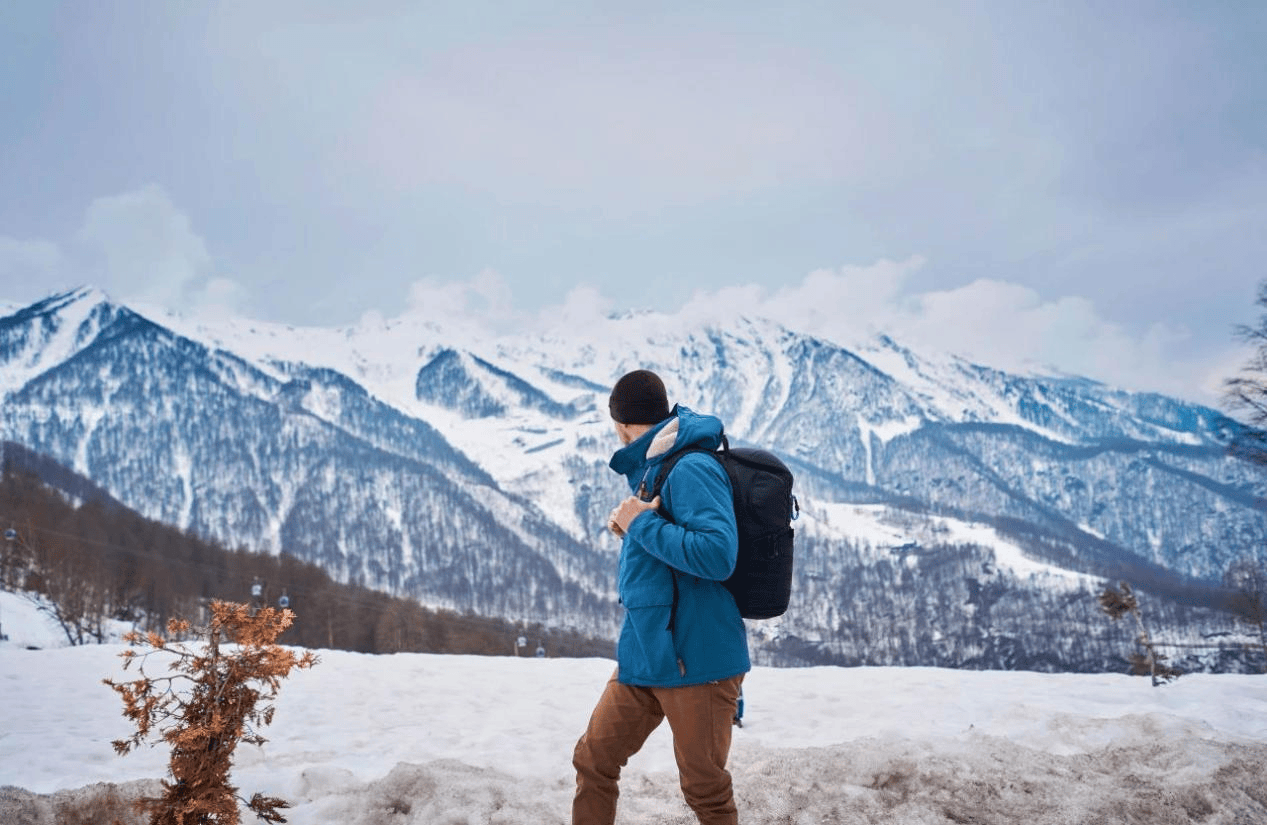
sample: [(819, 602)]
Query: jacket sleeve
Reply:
[(701, 540)]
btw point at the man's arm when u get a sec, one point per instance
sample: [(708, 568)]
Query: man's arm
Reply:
[(702, 540)]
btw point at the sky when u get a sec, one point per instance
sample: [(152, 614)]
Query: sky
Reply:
[(419, 739), (1079, 186)]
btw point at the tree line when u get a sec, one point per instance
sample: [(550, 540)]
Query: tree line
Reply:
[(954, 605), (94, 560)]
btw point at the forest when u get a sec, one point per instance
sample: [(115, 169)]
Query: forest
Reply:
[(94, 560), (953, 605)]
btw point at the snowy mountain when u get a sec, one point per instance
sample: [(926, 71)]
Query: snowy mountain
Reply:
[(953, 514)]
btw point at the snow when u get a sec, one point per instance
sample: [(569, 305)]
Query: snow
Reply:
[(46, 352), (946, 385), (885, 431), (1009, 555), (23, 624), (416, 738), (876, 525)]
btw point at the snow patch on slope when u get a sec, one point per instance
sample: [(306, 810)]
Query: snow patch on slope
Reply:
[(884, 530), (58, 332)]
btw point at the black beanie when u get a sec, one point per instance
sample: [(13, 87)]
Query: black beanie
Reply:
[(639, 398)]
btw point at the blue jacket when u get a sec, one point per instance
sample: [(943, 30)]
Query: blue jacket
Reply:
[(699, 542)]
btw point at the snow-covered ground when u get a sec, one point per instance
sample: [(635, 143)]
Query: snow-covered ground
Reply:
[(427, 740)]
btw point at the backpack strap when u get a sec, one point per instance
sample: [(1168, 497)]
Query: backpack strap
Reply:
[(666, 467), (661, 476)]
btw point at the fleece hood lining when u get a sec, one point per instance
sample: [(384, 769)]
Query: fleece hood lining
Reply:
[(664, 440)]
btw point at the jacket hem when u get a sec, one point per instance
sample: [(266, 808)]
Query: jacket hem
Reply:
[(680, 681)]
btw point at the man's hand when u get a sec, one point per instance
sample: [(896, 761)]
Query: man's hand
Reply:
[(628, 510)]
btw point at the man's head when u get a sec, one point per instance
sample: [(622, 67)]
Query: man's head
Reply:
[(638, 402)]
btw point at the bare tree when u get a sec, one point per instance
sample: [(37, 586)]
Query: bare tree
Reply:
[(1116, 603), (1247, 393), (65, 574), (1247, 578)]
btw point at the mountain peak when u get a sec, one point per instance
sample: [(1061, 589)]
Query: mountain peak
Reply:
[(87, 294), (48, 332), (80, 301)]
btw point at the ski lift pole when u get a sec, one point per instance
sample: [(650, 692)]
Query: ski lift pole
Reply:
[(10, 536)]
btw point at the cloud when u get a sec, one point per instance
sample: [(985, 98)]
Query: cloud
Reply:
[(220, 298), (137, 246), (995, 323), (484, 303), (584, 312), (1014, 327), (146, 247)]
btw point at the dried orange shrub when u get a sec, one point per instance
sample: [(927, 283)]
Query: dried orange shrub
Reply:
[(209, 703)]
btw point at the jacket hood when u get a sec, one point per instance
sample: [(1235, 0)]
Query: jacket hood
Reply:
[(683, 428)]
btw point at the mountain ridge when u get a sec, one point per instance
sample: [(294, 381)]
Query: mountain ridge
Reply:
[(424, 470)]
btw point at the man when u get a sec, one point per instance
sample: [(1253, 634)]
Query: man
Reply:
[(683, 648)]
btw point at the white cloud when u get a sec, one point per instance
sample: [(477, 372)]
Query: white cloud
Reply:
[(149, 252), (483, 304), (435, 300), (1014, 327), (583, 312), (994, 323), (146, 246), (846, 303), (1213, 372), (220, 298), (137, 246)]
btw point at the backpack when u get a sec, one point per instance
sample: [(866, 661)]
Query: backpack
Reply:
[(764, 511)]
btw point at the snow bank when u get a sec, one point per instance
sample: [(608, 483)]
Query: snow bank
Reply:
[(414, 738)]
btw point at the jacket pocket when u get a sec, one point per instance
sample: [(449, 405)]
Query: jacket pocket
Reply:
[(646, 645)]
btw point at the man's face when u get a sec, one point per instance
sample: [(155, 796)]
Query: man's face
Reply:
[(622, 432)]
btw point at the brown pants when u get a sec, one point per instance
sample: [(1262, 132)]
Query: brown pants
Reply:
[(700, 717)]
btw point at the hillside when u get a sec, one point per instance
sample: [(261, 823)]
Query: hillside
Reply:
[(94, 566), (952, 513)]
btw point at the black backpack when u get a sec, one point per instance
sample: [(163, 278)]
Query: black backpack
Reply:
[(764, 511)]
